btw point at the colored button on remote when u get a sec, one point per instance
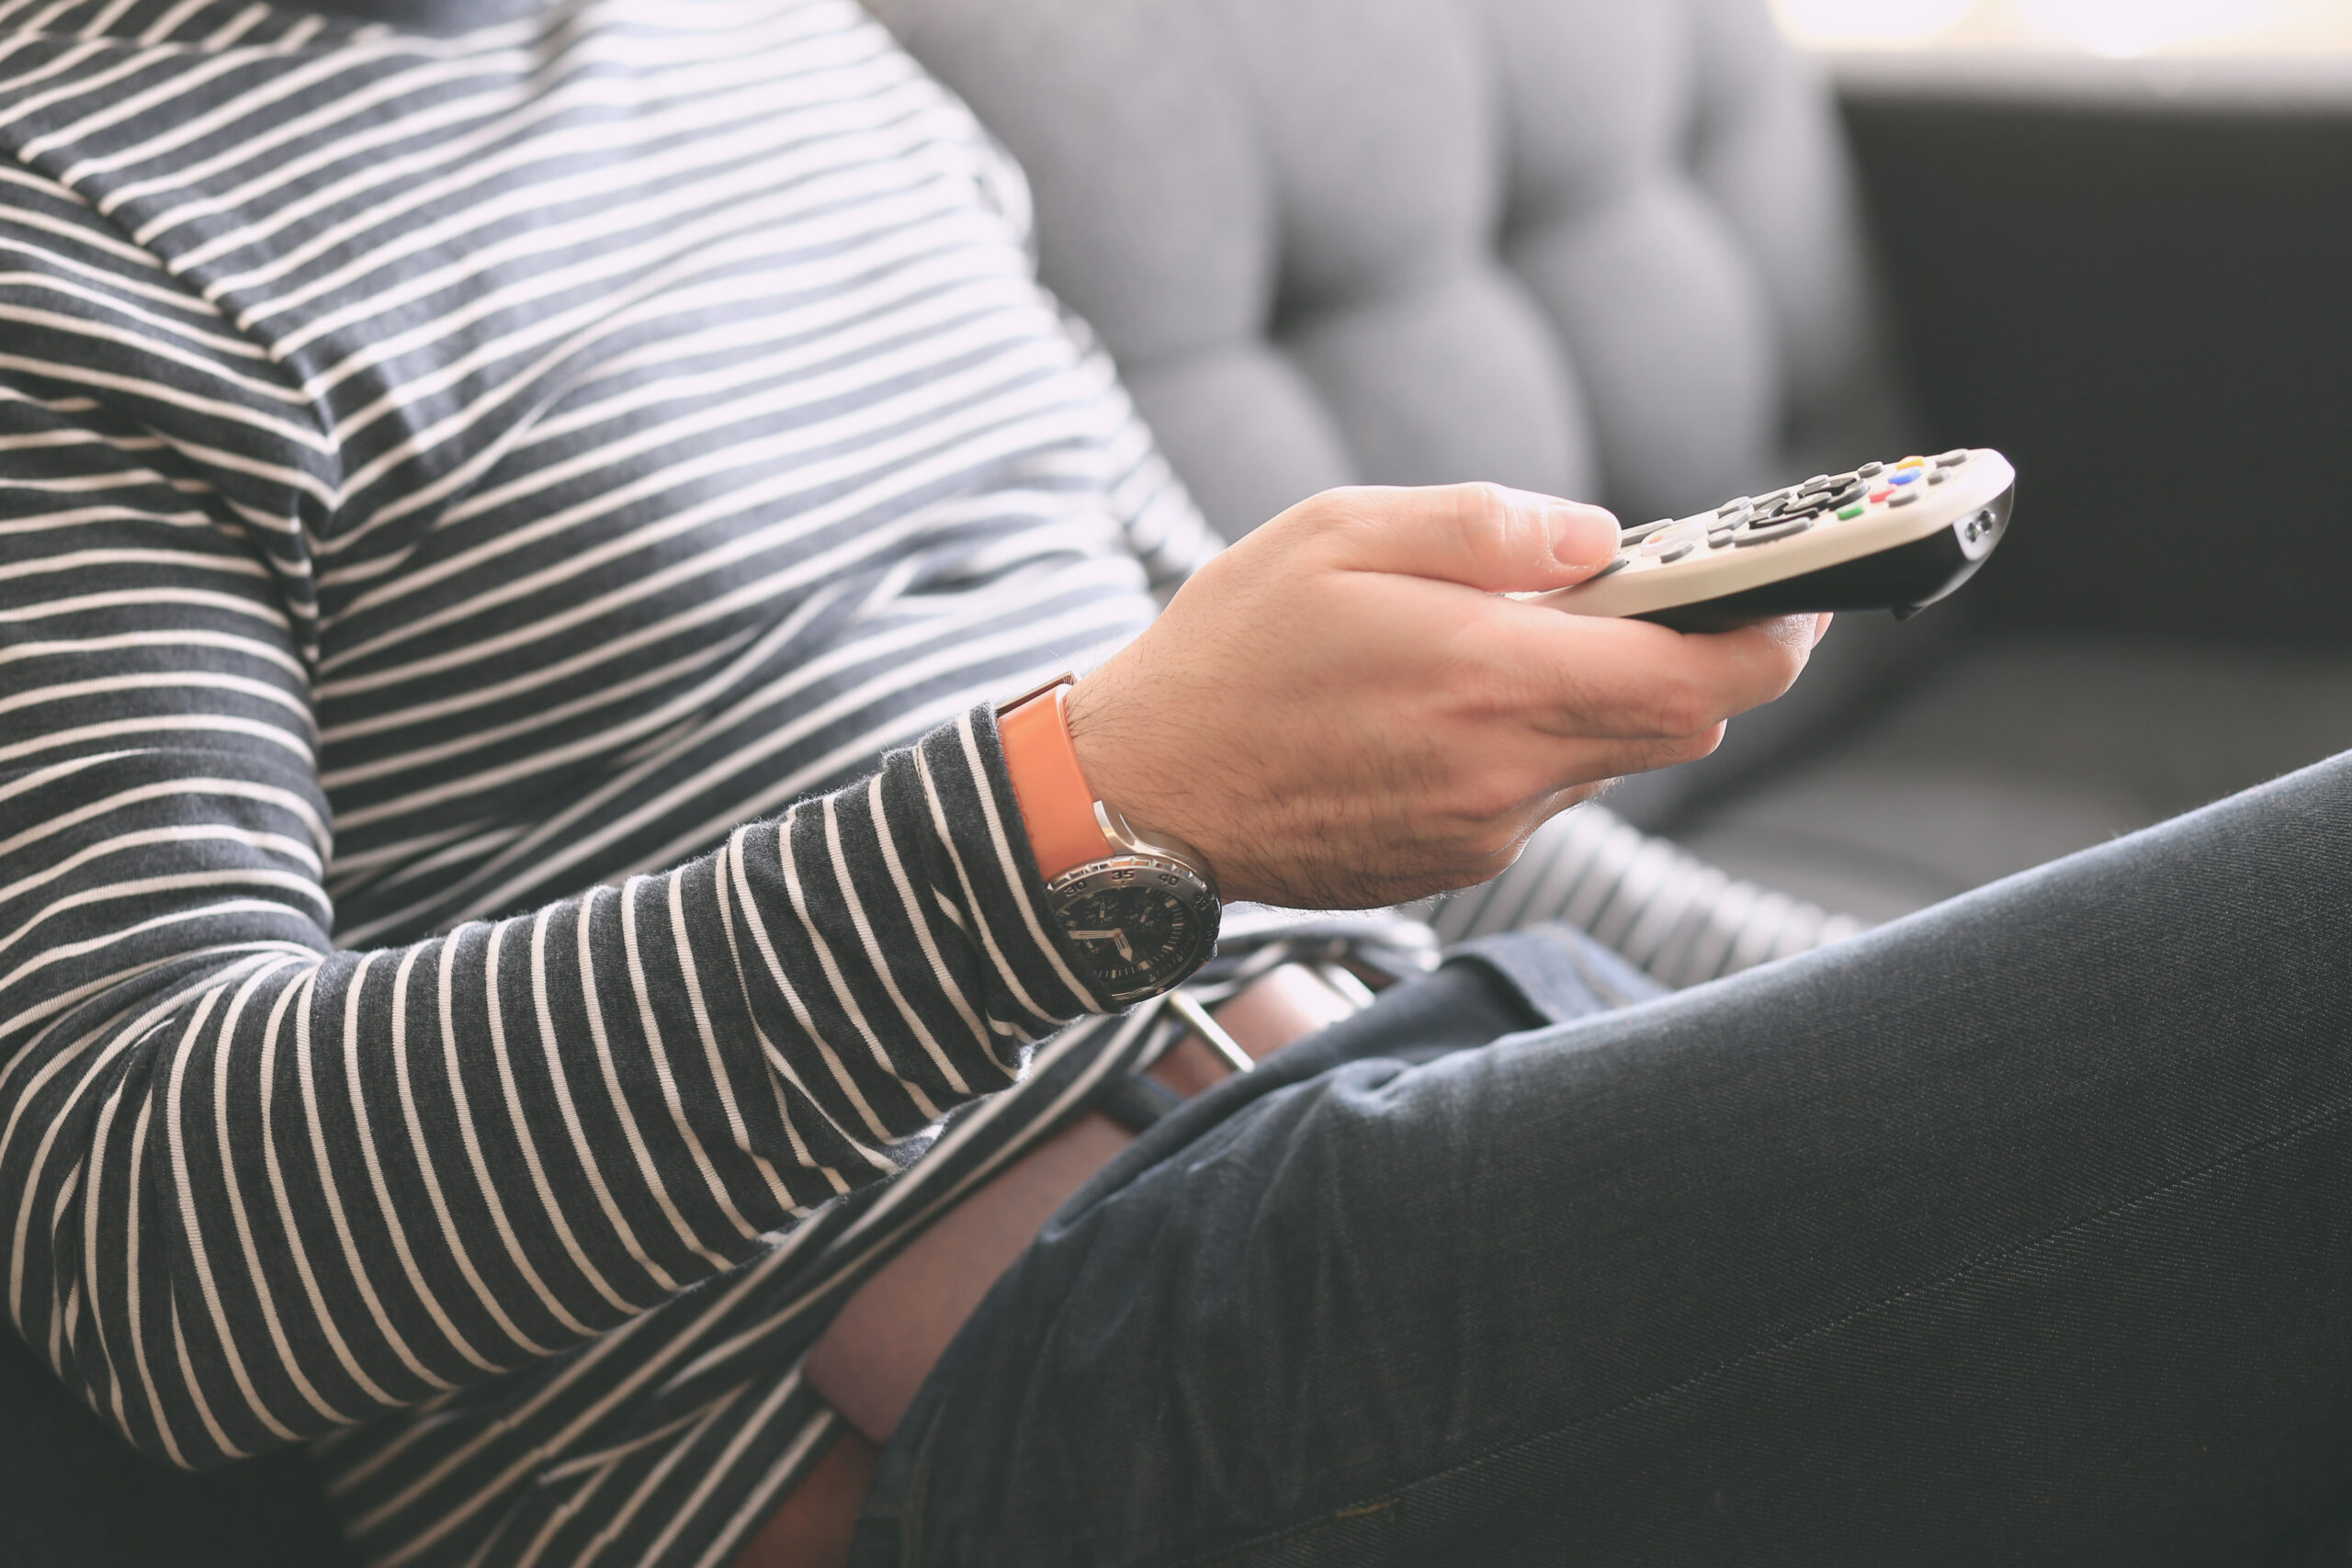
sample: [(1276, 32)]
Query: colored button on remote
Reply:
[(1850, 513), (1909, 476)]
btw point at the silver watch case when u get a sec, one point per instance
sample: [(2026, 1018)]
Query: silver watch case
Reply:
[(1145, 917)]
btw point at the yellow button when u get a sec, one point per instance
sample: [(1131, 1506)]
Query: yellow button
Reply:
[(1912, 463)]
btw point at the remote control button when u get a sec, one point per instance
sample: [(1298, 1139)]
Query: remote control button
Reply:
[(1677, 553), (1953, 459), (1908, 476), (1818, 482), (1940, 476), (1850, 514), (1870, 470), (1642, 531), (1847, 493), (1728, 507), (1766, 535), (1903, 498), (1882, 492)]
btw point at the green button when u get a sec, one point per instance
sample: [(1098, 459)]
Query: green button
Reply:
[(1850, 512)]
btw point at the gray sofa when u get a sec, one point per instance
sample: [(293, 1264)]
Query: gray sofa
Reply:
[(1615, 251)]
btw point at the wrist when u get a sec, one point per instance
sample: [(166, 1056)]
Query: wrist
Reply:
[(1145, 776), (1141, 911)]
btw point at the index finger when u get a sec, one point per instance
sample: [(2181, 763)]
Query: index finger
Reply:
[(1627, 680)]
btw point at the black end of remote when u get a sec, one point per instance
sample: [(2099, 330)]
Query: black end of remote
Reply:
[(1906, 580)]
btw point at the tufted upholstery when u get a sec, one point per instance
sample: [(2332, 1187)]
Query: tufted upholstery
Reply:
[(1579, 246), (1576, 245), (1599, 248)]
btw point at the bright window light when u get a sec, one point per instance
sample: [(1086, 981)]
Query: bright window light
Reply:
[(1851, 22), (2140, 26), (2121, 28)]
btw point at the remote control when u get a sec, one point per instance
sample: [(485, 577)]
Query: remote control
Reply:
[(1886, 537)]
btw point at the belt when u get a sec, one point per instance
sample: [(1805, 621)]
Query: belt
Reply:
[(888, 1335)]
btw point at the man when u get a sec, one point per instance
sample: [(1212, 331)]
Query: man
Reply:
[(480, 504)]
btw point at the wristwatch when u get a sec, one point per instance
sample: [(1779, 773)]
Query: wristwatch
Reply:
[(1140, 907)]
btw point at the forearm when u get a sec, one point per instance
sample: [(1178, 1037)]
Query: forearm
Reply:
[(258, 1189)]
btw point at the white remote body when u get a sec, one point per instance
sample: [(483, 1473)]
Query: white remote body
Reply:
[(1886, 537)]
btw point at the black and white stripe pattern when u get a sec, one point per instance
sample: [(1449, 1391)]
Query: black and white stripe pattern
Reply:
[(1667, 910), (463, 502), (442, 476)]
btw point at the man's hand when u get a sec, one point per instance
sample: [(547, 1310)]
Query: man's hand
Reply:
[(1340, 711)]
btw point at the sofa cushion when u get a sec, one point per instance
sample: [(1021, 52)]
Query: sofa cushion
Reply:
[(1572, 244), (2018, 751)]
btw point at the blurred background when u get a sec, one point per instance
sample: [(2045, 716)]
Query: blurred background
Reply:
[(2115, 236)]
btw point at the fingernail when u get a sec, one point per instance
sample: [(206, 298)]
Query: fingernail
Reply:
[(1582, 535)]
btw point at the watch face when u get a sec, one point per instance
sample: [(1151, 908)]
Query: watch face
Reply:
[(1142, 923)]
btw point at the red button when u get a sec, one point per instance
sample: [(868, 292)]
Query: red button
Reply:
[(1881, 494)]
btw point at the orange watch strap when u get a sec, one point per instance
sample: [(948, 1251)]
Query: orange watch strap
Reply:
[(1056, 804)]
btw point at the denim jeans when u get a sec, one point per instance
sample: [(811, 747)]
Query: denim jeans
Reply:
[(2015, 1232)]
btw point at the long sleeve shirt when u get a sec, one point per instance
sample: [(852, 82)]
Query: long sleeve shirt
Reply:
[(472, 511)]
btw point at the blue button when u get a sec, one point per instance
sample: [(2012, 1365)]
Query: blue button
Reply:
[(1909, 476)]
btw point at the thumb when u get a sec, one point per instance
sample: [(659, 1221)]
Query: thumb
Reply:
[(1483, 536)]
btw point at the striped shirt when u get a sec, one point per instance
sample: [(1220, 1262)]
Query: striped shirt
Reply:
[(473, 511)]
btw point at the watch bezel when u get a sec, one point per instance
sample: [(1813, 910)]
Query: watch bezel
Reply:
[(1174, 874)]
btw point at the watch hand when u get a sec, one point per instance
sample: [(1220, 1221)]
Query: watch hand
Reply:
[(1115, 935)]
